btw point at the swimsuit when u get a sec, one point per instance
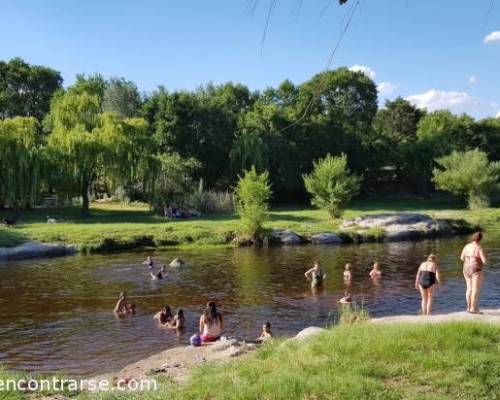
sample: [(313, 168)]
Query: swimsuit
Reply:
[(317, 279), (472, 265), (427, 279)]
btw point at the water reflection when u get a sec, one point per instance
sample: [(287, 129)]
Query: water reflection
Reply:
[(56, 315)]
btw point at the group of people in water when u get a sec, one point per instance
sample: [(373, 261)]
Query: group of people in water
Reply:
[(427, 279)]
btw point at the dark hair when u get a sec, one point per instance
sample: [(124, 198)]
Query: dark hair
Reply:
[(476, 237), (267, 324), (165, 315), (211, 313), (180, 313)]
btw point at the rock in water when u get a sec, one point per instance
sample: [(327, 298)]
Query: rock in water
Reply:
[(326, 238), (177, 262), (35, 250), (286, 237)]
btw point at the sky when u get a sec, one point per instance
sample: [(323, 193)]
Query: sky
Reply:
[(437, 54)]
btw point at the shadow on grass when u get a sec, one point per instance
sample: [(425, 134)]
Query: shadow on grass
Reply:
[(11, 236), (279, 216)]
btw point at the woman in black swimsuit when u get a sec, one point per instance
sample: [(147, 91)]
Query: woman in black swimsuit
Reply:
[(427, 277)]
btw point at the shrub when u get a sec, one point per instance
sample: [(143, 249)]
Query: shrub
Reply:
[(210, 201), (331, 184), (252, 194), (468, 174)]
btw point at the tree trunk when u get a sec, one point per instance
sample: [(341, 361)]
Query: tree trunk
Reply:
[(85, 198)]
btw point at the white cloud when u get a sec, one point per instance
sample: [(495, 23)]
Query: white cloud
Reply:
[(364, 69), (492, 37), (386, 88), (439, 99), (472, 79), (498, 114)]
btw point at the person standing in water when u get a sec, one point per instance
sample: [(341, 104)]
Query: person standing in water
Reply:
[(425, 281), (375, 273), (315, 275), (123, 307), (474, 259), (164, 316), (211, 323), (149, 262), (178, 321), (347, 274)]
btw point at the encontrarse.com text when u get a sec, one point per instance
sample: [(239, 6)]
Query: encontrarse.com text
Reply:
[(59, 384)]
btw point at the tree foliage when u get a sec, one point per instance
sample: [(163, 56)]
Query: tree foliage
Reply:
[(252, 194), (468, 174), (331, 184)]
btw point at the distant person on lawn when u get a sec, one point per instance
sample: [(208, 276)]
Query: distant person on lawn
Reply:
[(474, 259)]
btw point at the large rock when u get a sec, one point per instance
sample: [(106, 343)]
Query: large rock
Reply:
[(286, 237), (402, 226), (35, 250), (309, 332), (326, 238)]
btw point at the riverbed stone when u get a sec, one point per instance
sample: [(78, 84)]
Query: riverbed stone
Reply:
[(223, 344), (326, 238), (309, 332), (35, 250), (286, 237), (177, 263), (401, 226)]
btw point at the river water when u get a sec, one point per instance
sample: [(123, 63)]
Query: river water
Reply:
[(56, 314)]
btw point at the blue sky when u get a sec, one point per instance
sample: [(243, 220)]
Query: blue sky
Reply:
[(438, 53)]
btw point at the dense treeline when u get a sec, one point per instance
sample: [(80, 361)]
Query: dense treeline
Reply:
[(103, 136)]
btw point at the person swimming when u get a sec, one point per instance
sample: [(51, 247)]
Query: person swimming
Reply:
[(123, 306), (178, 321), (159, 275), (266, 332), (375, 272), (164, 316), (149, 262), (315, 275), (347, 299), (347, 273), (211, 323)]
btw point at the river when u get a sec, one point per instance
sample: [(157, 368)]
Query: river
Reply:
[(56, 314)]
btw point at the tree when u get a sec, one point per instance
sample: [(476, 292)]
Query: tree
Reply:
[(248, 151), (398, 119), (122, 97), (331, 185), (469, 174), (26, 90), (252, 195), (74, 143), (20, 161)]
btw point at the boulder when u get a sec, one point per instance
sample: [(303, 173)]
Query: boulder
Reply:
[(177, 263), (35, 250), (286, 237), (326, 238), (309, 332)]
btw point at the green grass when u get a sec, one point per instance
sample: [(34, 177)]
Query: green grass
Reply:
[(114, 226), (456, 361)]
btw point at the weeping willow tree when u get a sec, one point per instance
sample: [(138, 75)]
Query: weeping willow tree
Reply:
[(21, 161), (129, 154), (75, 145), (249, 150)]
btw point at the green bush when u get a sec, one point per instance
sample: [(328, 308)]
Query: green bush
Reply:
[(252, 194), (331, 184), (468, 174), (209, 201)]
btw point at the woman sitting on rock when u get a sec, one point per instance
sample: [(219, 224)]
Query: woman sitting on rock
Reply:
[(427, 277), (211, 323), (164, 316), (315, 275)]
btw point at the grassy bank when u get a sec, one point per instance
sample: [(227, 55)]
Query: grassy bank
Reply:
[(361, 361), (114, 226)]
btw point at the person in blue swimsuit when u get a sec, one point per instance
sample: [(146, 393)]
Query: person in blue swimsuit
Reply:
[(426, 280)]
